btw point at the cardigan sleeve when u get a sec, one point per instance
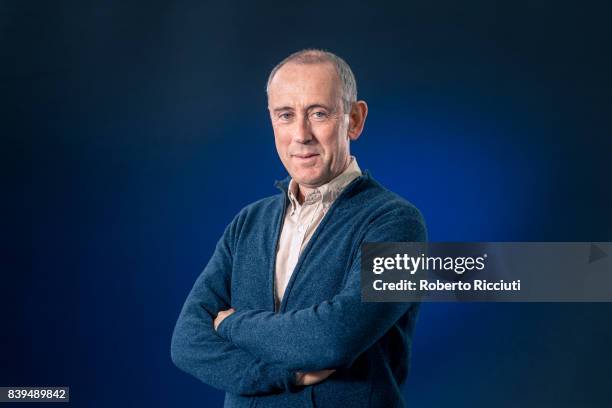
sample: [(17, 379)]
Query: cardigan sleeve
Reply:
[(197, 349), (335, 332)]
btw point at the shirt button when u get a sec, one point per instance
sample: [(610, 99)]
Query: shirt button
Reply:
[(300, 228)]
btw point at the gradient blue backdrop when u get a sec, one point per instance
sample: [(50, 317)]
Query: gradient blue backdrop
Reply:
[(132, 133)]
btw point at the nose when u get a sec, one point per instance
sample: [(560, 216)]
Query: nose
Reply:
[(302, 132)]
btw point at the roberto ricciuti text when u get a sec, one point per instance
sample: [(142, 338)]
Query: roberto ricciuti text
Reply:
[(437, 285)]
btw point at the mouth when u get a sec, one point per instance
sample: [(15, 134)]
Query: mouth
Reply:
[(307, 159), (304, 156)]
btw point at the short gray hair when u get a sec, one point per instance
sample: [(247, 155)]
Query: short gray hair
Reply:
[(315, 56)]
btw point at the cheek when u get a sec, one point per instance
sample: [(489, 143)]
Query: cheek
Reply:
[(281, 140), (330, 140)]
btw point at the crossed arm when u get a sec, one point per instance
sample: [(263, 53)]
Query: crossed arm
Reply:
[(271, 347), (198, 350)]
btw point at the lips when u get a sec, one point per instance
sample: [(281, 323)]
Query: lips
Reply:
[(305, 155)]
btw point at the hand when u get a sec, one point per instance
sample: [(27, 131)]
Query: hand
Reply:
[(221, 316), (312, 377)]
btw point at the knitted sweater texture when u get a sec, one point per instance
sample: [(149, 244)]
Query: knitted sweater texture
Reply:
[(321, 322)]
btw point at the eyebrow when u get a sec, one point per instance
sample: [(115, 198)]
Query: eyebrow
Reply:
[(309, 107)]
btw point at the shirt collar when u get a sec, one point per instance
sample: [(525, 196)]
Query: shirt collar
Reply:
[(328, 192)]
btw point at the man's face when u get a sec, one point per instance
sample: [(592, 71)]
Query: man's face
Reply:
[(310, 126)]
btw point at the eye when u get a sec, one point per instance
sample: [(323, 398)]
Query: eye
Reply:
[(319, 115), (286, 116)]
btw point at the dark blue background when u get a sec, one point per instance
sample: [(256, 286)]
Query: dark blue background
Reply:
[(132, 133)]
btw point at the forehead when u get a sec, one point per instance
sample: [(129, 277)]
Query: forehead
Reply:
[(303, 84)]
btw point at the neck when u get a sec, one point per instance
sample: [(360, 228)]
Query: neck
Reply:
[(303, 191)]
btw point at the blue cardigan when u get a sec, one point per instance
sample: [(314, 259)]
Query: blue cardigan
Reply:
[(321, 322)]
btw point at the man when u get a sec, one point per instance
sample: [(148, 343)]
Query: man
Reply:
[(276, 319)]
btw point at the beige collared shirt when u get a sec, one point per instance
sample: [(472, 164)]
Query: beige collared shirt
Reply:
[(301, 221)]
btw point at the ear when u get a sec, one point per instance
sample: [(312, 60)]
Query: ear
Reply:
[(357, 118)]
